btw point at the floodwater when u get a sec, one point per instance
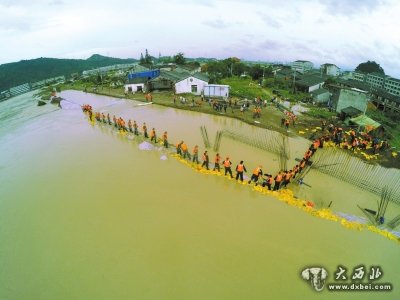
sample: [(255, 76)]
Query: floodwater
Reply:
[(85, 214)]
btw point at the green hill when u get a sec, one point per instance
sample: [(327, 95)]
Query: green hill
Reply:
[(13, 74)]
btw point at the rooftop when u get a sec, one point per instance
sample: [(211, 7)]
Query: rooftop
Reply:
[(319, 92)]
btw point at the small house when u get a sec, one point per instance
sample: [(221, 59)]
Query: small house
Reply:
[(344, 97), (192, 84), (309, 84), (136, 85), (320, 95)]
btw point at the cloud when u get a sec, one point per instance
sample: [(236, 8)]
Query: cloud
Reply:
[(351, 7), (217, 24), (56, 2), (269, 20)]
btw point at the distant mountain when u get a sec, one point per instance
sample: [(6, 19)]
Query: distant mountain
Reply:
[(13, 74)]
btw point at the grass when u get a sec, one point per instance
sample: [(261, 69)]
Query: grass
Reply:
[(246, 88)]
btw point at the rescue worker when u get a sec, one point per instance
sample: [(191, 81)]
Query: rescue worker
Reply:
[(216, 162), (130, 125), (227, 165), (287, 122), (205, 160), (257, 172), (185, 152), (278, 179), (295, 170), (240, 168), (165, 139), (196, 154), (135, 128), (302, 165), (287, 177), (145, 130), (122, 124), (153, 136), (179, 148), (268, 182)]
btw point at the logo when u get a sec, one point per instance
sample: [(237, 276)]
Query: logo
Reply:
[(361, 279), (316, 276)]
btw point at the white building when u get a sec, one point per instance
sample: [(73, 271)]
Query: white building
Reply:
[(216, 90), (191, 84), (135, 85), (302, 66), (392, 86), (330, 70)]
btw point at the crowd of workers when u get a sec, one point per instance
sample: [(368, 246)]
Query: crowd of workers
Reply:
[(353, 140), (280, 180)]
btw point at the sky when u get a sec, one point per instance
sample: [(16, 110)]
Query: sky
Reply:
[(343, 32)]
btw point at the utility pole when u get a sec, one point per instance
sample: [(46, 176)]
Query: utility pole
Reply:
[(294, 81)]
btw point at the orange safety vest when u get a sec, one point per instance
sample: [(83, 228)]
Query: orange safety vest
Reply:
[(164, 137), (184, 147), (288, 176), (302, 164), (256, 171), (278, 178), (195, 150), (227, 163), (240, 168), (153, 133)]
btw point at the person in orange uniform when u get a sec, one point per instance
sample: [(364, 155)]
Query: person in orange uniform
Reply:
[(295, 170), (153, 136), (185, 152), (196, 154), (135, 128), (227, 165), (302, 165), (287, 177), (268, 182), (257, 172), (217, 159), (205, 160), (145, 130), (130, 125), (240, 168), (278, 179), (165, 139), (122, 124)]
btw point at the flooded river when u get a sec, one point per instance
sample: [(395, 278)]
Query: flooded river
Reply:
[(85, 214)]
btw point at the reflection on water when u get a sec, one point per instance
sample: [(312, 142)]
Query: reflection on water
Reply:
[(84, 214)]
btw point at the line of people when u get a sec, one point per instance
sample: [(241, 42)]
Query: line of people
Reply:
[(120, 124), (281, 180)]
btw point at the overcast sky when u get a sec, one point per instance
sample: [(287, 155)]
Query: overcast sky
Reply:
[(344, 32)]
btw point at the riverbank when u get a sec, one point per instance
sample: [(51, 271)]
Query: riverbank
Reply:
[(307, 125)]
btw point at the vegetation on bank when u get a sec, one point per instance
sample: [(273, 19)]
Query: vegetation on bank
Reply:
[(38, 69)]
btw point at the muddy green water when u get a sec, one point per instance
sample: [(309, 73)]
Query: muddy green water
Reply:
[(85, 214)]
